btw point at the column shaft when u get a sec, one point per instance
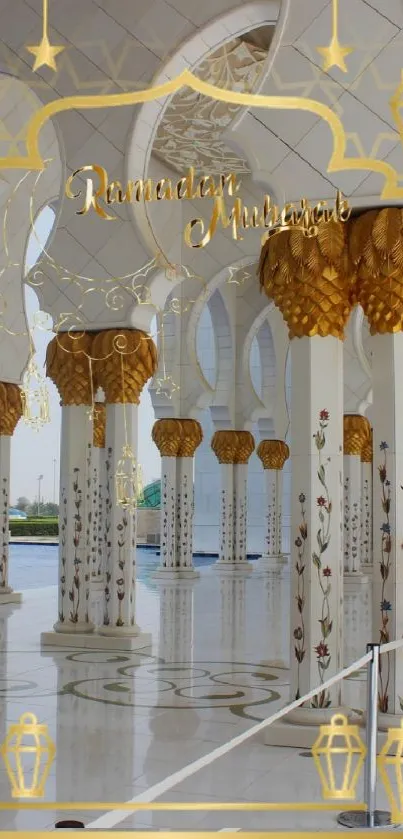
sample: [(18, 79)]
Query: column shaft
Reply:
[(316, 581), (352, 513), (119, 616), (75, 521), (240, 512), (184, 515), (227, 517), (168, 512), (5, 452), (387, 365), (366, 517)]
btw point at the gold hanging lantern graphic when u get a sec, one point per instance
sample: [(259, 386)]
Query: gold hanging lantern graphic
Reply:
[(390, 765), (35, 397), (128, 480), (26, 740), (339, 755)]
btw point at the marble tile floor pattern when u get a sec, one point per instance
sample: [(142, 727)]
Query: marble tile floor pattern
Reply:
[(124, 721)]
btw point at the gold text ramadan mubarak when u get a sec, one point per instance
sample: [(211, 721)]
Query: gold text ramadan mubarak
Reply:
[(100, 194)]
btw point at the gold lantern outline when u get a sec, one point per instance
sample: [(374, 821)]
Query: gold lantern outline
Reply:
[(395, 735), (128, 480), (339, 726), (28, 725), (38, 395)]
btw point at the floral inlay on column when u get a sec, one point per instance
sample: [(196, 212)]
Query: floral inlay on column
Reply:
[(324, 573), (63, 530), (299, 631), (386, 606), (74, 592), (4, 532)]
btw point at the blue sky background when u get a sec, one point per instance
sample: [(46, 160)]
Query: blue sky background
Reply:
[(35, 453)]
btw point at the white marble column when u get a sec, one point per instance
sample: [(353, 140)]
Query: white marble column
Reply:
[(177, 441), (273, 454), (127, 358), (387, 367), (120, 559), (10, 413), (317, 464), (366, 507), (98, 514), (356, 434), (74, 517), (233, 450)]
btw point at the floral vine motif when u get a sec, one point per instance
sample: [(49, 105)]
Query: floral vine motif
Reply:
[(386, 606), (108, 543), (63, 533), (120, 582), (4, 533), (324, 574), (299, 631), (74, 592)]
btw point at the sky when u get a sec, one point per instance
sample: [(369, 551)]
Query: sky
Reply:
[(35, 453)]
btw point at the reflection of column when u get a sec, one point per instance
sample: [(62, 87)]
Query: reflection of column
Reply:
[(176, 620), (10, 413), (177, 441), (233, 450), (67, 361), (126, 360), (275, 589), (232, 611), (273, 454), (356, 434), (357, 622), (90, 730), (366, 506)]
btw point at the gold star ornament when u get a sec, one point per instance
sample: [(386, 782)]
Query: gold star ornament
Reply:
[(334, 55), (44, 52)]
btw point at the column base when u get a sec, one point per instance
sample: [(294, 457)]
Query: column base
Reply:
[(301, 728), (240, 568), (96, 641), (173, 574), (386, 721), (97, 589), (352, 580), (269, 562), (7, 595)]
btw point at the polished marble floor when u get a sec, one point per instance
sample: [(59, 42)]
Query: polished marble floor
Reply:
[(122, 722)]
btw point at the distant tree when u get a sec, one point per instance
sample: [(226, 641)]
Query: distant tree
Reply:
[(49, 509), (23, 503)]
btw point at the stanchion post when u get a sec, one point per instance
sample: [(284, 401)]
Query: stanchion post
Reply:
[(371, 733)]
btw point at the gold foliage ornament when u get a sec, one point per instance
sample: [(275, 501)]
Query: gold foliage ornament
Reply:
[(124, 361), (367, 451), (35, 397), (342, 741), (10, 408), (128, 480), (233, 446), (273, 454), (68, 364), (376, 249), (177, 437), (310, 279), (357, 434)]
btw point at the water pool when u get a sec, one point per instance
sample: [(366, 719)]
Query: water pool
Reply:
[(35, 566)]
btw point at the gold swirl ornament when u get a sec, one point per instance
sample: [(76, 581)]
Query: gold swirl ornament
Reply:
[(273, 454), (310, 279), (124, 361)]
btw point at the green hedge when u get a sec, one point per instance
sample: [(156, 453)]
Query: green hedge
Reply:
[(34, 527)]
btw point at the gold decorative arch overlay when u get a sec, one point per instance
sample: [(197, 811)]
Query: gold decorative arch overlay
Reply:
[(338, 160)]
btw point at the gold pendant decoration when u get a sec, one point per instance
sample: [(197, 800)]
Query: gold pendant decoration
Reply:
[(128, 480), (35, 397), (166, 387), (334, 54), (44, 53), (341, 740), (390, 765), (28, 737)]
